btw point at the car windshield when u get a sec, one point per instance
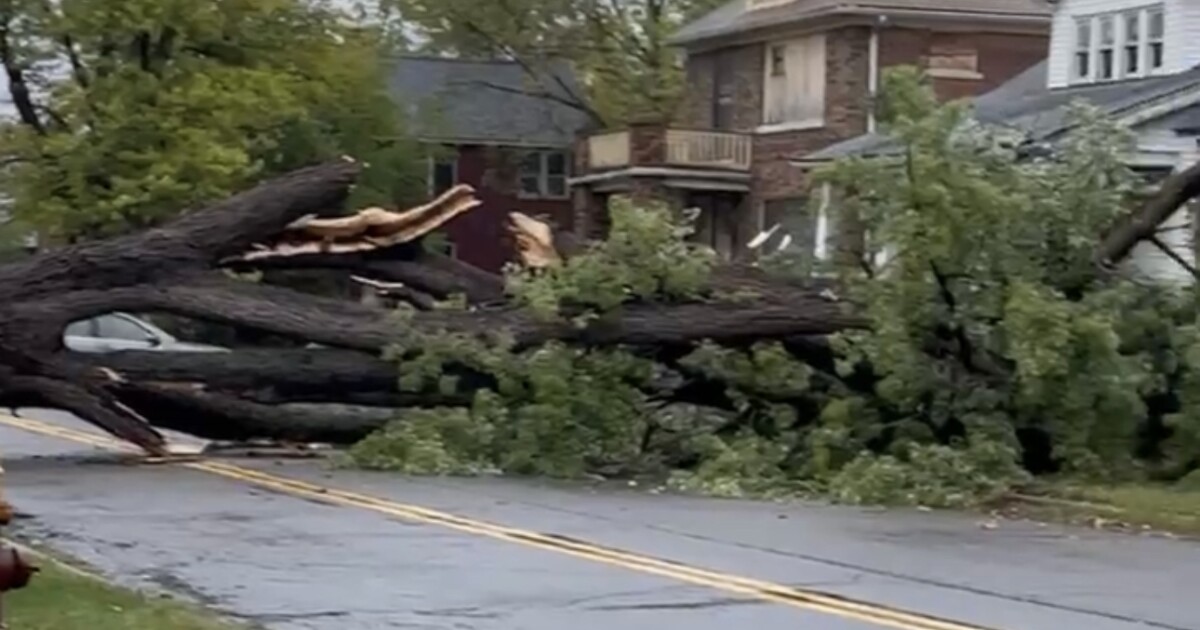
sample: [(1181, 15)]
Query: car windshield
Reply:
[(120, 327), (80, 329)]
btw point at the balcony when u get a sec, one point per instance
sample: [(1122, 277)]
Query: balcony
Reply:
[(657, 146)]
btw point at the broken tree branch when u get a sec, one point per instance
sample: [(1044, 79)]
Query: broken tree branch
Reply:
[(1176, 191)]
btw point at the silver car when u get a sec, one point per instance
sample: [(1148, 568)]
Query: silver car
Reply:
[(120, 331)]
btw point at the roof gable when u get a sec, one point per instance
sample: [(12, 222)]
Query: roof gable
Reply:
[(1027, 105)]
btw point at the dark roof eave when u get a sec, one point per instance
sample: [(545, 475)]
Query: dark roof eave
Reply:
[(492, 142)]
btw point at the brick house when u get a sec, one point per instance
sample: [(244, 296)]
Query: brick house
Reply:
[(1137, 61), (490, 124), (768, 80)]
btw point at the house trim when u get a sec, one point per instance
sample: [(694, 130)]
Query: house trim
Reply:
[(799, 125), (872, 77), (1003, 23), (1168, 104), (657, 171), (491, 142)]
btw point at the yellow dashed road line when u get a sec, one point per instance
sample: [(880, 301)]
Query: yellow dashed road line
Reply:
[(757, 589)]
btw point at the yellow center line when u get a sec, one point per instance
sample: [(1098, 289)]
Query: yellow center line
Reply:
[(758, 589)]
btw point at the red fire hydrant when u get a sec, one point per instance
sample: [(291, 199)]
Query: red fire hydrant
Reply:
[(15, 573)]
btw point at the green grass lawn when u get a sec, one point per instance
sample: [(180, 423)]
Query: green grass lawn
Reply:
[(57, 599), (1137, 508)]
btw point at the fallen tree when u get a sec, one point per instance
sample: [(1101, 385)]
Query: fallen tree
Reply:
[(177, 269), (996, 333)]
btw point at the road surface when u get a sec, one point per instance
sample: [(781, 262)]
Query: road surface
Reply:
[(291, 545)]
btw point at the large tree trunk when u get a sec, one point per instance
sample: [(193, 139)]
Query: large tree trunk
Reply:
[(177, 269), (343, 390)]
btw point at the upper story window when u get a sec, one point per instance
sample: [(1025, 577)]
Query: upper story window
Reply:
[(794, 83), (779, 60), (1108, 40), (1118, 45), (544, 174), (1155, 28), (1083, 48)]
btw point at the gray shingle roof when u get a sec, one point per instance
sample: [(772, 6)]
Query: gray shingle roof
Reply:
[(486, 102), (1025, 103), (736, 16)]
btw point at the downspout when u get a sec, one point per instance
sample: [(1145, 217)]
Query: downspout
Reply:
[(873, 70), (872, 75)]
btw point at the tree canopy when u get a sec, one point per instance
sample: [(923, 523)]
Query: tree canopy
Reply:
[(620, 48), (131, 111)]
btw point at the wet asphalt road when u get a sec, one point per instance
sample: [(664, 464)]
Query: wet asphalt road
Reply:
[(289, 563)]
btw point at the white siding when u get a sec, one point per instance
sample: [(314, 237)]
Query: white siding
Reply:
[(1148, 263), (1181, 39)]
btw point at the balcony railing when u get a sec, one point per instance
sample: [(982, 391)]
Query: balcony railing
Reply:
[(708, 149), (669, 147)]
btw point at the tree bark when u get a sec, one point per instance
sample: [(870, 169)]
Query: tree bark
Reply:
[(1178, 189), (256, 393)]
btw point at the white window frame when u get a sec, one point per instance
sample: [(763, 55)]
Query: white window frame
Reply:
[(801, 85), (1082, 71), (1131, 43), (1106, 66), (1155, 43), (1143, 45), (431, 180), (543, 175)]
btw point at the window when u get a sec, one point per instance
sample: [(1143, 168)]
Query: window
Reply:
[(1108, 39), (796, 97), (953, 61), (724, 90), (1083, 48), (1154, 37), (779, 61), (544, 174), (1119, 45), (1133, 44), (443, 174), (117, 327), (797, 229), (80, 329)]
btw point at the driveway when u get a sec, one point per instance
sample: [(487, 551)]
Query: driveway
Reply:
[(291, 545)]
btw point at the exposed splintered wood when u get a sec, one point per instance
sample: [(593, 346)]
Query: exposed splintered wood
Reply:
[(288, 222), (366, 230), (535, 241)]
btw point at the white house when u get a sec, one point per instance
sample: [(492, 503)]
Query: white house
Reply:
[(1136, 60)]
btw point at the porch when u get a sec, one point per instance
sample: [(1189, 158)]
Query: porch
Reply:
[(686, 168), (684, 159)]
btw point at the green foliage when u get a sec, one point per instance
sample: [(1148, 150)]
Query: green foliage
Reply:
[(619, 48), (995, 350), (171, 104), (988, 318), (555, 410), (645, 258), (930, 475), (746, 465)]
